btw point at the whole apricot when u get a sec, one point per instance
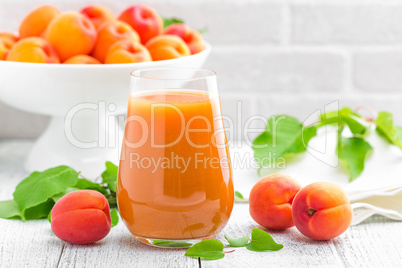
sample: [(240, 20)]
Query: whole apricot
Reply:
[(193, 38), (110, 33), (33, 49), (144, 20), (81, 217), (71, 34), (127, 51), (271, 201), (322, 211), (98, 14), (166, 47), (35, 23), (82, 59)]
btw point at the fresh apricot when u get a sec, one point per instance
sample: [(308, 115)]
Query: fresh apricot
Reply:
[(271, 201), (127, 51), (109, 33), (5, 46), (35, 23), (33, 49), (9, 36), (144, 20), (82, 59), (81, 217), (98, 14), (166, 47), (71, 34), (322, 211), (193, 38)]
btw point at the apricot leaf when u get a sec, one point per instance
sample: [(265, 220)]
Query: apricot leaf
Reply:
[(352, 152), (109, 176), (114, 216), (356, 124), (170, 21), (9, 210), (283, 135), (89, 185), (38, 187), (210, 249), (386, 129), (239, 195), (262, 241), (171, 244), (238, 242)]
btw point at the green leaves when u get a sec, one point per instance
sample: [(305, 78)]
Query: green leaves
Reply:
[(210, 249), (386, 129), (114, 216), (353, 153), (169, 21), (35, 196), (238, 195), (262, 241), (238, 242), (283, 135)]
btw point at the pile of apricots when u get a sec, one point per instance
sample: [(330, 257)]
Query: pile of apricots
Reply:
[(94, 36), (320, 211)]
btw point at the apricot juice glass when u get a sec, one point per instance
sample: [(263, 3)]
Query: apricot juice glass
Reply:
[(175, 179)]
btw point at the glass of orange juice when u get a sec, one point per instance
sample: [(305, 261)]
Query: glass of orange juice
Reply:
[(175, 179)]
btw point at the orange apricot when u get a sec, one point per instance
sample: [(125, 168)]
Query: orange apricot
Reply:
[(193, 38), (322, 211), (5, 46), (36, 22), (71, 34), (98, 14), (82, 59), (166, 47), (33, 49), (144, 19), (109, 33), (127, 51), (271, 201), (9, 36), (81, 217)]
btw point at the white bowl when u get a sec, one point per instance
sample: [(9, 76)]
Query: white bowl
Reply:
[(83, 101)]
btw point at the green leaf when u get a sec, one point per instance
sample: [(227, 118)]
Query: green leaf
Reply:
[(356, 124), (238, 242), (171, 244), (210, 249), (40, 211), (353, 153), (84, 184), (49, 218), (9, 210), (203, 30), (109, 176), (56, 197), (169, 21), (114, 215), (38, 187), (262, 241), (283, 135), (386, 129), (239, 195)]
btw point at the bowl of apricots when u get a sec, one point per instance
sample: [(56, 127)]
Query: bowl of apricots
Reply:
[(75, 66)]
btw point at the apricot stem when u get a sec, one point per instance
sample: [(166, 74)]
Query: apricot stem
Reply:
[(311, 211)]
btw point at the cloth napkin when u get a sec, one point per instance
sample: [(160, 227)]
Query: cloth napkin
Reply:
[(378, 190)]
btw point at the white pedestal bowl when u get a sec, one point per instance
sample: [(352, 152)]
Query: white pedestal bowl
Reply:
[(86, 103)]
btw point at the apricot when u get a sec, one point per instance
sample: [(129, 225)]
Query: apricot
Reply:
[(35, 23), (144, 20), (193, 38), (81, 217), (110, 33), (322, 211), (33, 49), (9, 36), (126, 51), (98, 14), (82, 59), (166, 47), (5, 46), (271, 201), (71, 34)]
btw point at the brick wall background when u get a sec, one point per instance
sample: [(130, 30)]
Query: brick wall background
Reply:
[(275, 56)]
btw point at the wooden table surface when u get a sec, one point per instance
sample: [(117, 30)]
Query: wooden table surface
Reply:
[(377, 242)]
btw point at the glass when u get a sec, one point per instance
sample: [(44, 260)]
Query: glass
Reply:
[(175, 179)]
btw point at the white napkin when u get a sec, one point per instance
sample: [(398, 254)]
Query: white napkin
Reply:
[(378, 190)]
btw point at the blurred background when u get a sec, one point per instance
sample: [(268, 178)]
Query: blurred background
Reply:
[(272, 57)]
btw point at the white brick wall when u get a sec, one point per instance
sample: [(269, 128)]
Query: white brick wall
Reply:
[(276, 56)]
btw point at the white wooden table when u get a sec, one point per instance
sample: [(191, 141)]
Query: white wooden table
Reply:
[(377, 242)]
